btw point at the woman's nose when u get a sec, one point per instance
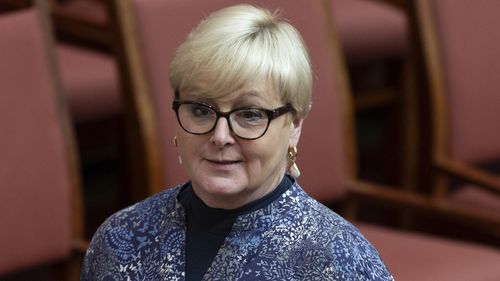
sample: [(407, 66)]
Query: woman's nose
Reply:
[(222, 134)]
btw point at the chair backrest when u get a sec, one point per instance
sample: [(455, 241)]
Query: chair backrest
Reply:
[(370, 30), (161, 26), (37, 168), (462, 40)]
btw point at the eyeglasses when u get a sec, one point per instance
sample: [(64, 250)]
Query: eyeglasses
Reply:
[(199, 118)]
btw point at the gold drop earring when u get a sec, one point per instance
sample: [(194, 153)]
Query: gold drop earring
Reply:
[(177, 145), (292, 156)]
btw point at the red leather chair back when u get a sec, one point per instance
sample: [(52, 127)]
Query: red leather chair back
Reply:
[(34, 182), (163, 25), (469, 40)]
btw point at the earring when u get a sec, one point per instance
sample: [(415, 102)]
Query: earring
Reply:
[(176, 145), (292, 156)]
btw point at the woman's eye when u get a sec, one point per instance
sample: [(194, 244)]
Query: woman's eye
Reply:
[(251, 115), (200, 111)]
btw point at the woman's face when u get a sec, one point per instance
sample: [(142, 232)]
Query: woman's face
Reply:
[(227, 171)]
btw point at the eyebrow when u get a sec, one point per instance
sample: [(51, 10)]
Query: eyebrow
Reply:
[(251, 96), (246, 98)]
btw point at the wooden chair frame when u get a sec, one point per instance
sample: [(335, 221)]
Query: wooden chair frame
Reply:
[(441, 165), (79, 243), (143, 140), (407, 199), (441, 160)]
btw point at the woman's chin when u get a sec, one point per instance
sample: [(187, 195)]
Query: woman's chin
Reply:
[(214, 190), (223, 185)]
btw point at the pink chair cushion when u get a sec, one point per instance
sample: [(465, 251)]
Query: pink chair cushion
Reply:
[(34, 185), (470, 44), (414, 257), (90, 82), (470, 195), (321, 146), (370, 30)]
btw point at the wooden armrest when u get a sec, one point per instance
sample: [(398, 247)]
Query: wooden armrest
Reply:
[(386, 195), (487, 221), (469, 174), (394, 197)]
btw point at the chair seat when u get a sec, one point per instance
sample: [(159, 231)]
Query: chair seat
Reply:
[(369, 29), (415, 257), (471, 195), (90, 81)]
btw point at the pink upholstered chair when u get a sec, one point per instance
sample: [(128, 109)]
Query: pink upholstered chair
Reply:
[(370, 30), (459, 47), (437, 258), (374, 36), (40, 202), (154, 28), (89, 74)]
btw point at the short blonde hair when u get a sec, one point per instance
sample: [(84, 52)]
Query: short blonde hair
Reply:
[(238, 43)]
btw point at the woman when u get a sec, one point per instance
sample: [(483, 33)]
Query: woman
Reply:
[(242, 83)]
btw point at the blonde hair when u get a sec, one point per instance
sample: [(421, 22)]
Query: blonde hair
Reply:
[(238, 43)]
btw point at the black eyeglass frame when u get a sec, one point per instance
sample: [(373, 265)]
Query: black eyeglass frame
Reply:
[(271, 114)]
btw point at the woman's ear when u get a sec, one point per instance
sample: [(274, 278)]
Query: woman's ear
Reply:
[(296, 129)]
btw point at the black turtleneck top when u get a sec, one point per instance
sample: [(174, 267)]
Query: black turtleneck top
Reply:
[(208, 227)]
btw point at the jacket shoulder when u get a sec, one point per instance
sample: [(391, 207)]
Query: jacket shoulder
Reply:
[(351, 256)]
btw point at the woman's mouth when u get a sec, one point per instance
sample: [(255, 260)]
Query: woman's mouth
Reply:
[(223, 162)]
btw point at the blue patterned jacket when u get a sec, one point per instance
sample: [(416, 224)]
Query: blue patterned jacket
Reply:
[(293, 238)]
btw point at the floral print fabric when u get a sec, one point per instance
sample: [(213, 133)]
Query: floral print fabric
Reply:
[(293, 238)]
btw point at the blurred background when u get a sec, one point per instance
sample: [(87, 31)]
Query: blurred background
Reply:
[(421, 94)]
